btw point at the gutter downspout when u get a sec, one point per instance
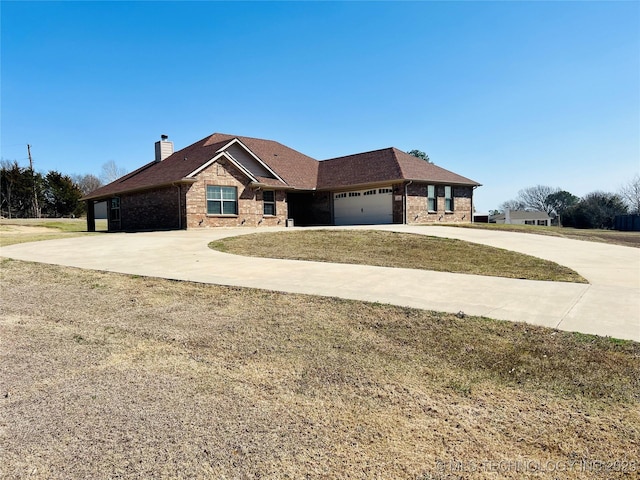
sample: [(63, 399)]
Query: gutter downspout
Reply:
[(405, 203)]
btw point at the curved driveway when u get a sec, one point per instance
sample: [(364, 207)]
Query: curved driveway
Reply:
[(609, 305)]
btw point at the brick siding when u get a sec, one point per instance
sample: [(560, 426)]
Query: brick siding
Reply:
[(398, 203), (417, 205), (250, 205), (155, 209)]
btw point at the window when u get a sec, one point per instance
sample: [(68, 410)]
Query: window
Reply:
[(542, 222), (222, 200), (354, 194), (448, 198), (269, 201), (370, 192), (340, 195), (385, 190), (529, 222), (432, 205), (115, 209)]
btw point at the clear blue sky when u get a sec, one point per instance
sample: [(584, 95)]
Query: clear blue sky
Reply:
[(510, 94)]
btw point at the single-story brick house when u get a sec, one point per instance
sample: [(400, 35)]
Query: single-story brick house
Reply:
[(226, 180)]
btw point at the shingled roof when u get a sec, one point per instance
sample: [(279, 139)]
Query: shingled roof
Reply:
[(172, 169), (296, 170), (380, 166)]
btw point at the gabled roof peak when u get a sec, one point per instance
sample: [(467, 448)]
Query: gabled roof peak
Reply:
[(290, 168)]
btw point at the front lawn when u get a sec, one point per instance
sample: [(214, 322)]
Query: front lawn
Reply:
[(392, 249), (114, 376)]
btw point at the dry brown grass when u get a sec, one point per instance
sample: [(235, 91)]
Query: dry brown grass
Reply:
[(21, 230), (628, 239), (393, 249), (105, 376)]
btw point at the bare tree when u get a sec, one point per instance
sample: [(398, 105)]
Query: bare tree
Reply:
[(87, 183), (533, 198), (111, 172), (512, 205), (630, 192), (536, 198)]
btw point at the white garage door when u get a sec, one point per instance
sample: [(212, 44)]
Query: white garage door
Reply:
[(363, 207)]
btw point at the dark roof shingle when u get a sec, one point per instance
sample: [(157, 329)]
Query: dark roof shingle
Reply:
[(297, 170), (174, 168), (386, 165)]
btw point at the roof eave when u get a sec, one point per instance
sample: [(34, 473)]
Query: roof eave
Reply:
[(353, 186), (182, 181), (470, 183), (269, 186)]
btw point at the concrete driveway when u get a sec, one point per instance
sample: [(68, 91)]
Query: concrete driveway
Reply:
[(609, 305)]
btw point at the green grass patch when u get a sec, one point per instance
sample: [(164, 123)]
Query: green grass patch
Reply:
[(400, 250)]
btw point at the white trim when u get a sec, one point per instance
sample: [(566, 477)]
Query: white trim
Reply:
[(238, 141), (203, 166), (222, 200), (227, 157), (227, 145), (240, 167)]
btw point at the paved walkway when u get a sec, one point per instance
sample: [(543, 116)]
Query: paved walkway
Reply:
[(609, 305)]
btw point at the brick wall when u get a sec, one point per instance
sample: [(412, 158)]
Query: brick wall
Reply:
[(159, 208), (417, 205), (398, 203), (150, 210), (250, 206)]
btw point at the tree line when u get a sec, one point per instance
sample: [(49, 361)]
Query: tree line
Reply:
[(25, 193), (594, 210)]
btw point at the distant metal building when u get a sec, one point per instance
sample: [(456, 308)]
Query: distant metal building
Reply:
[(627, 223)]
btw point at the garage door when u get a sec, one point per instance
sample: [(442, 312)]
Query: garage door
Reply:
[(363, 207)]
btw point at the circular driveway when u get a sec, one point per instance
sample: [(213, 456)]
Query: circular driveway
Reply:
[(609, 305)]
